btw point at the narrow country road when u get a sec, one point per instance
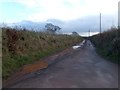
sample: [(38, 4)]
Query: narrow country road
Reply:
[(83, 68)]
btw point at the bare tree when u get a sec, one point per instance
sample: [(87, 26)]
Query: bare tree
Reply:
[(52, 29), (75, 34)]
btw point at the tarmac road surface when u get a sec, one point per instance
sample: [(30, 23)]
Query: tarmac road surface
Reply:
[(83, 68)]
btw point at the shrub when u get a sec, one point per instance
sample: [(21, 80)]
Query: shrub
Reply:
[(108, 44), (21, 47)]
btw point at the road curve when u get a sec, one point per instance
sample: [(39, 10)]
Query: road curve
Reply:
[(83, 68)]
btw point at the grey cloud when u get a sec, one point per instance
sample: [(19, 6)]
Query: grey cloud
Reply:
[(78, 25), (92, 23)]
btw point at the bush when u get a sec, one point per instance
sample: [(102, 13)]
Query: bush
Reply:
[(108, 44), (21, 47)]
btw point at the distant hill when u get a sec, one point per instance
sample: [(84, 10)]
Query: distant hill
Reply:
[(79, 25), (37, 26)]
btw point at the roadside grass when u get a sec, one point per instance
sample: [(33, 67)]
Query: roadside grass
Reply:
[(112, 58), (108, 44), (22, 47)]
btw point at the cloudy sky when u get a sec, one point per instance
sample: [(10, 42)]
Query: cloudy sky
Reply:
[(68, 11)]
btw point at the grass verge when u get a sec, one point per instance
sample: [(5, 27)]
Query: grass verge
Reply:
[(108, 44), (21, 47)]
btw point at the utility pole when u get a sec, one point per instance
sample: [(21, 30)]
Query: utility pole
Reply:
[(89, 33), (100, 22)]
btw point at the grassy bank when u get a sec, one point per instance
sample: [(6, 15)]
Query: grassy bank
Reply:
[(108, 44), (21, 47)]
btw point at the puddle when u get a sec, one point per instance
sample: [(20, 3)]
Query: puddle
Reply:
[(75, 47), (79, 46)]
